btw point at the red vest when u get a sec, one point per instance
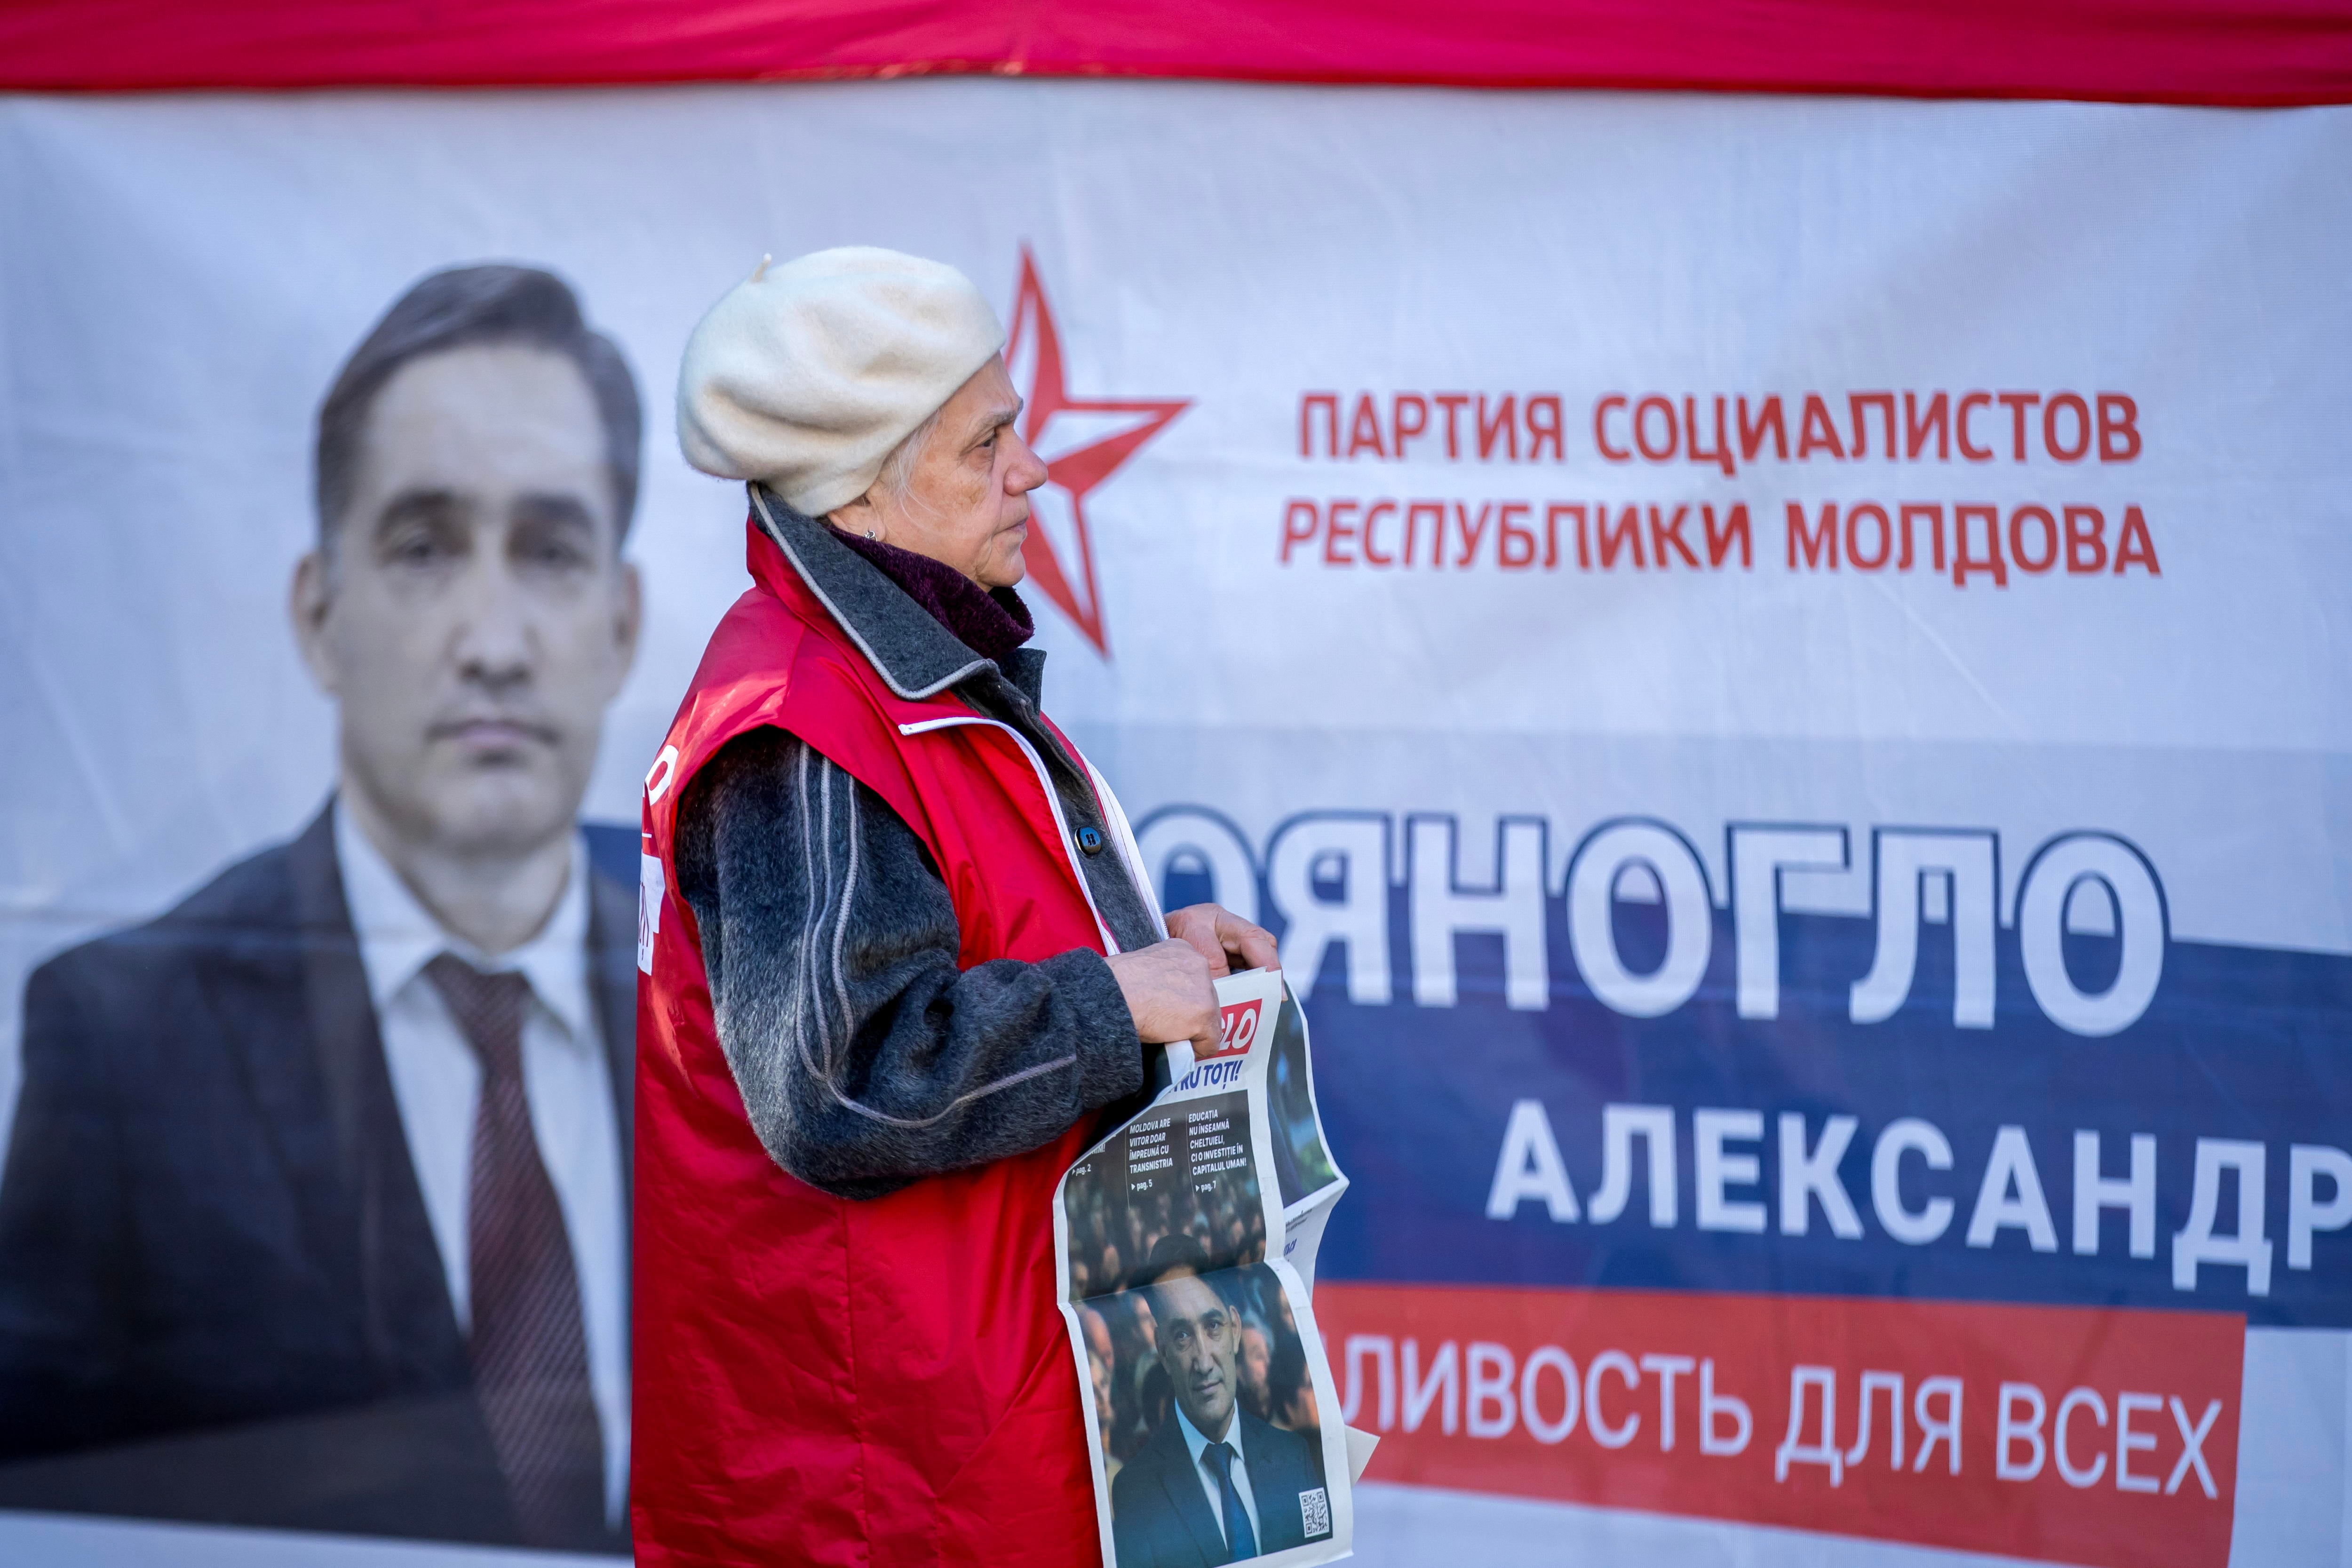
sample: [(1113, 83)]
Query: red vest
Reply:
[(819, 1380)]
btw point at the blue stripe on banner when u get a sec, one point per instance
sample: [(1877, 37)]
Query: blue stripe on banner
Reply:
[(2240, 1044)]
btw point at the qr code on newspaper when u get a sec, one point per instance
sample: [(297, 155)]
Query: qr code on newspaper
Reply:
[(1315, 1513)]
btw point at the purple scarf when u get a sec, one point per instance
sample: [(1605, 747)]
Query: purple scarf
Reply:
[(992, 622)]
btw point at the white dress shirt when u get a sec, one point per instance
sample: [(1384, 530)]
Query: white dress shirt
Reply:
[(437, 1081), (1207, 1473)]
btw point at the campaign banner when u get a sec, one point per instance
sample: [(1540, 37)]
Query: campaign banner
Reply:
[(1774, 666)]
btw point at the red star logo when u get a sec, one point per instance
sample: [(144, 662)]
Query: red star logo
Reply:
[(1082, 442)]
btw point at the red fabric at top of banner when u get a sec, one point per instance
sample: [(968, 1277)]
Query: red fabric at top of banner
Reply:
[(2240, 52)]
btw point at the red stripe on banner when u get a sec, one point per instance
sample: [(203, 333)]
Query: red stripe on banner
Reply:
[(2244, 52), (2074, 1434)]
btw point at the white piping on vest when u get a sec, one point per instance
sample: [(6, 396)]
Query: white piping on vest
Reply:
[(819, 1067), (1053, 801), (848, 894), (1130, 851)]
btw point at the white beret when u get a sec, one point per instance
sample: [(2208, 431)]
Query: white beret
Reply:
[(806, 376)]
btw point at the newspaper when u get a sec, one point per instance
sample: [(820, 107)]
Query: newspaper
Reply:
[(1186, 1244)]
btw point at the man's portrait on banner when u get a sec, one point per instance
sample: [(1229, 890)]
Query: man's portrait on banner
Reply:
[(315, 1211)]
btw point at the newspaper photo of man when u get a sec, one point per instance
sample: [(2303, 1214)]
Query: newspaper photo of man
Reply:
[(1214, 1483), (316, 1207)]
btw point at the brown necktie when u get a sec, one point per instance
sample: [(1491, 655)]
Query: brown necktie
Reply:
[(530, 1346)]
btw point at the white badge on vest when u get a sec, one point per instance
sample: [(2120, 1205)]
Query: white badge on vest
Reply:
[(651, 885)]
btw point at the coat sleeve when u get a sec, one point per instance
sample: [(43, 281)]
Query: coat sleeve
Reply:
[(867, 1060)]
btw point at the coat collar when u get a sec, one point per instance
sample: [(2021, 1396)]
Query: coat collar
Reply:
[(916, 657)]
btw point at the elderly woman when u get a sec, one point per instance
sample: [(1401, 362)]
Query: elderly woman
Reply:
[(902, 965)]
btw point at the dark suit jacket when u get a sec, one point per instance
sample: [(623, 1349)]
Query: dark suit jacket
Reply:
[(220, 1297), (1161, 1516)]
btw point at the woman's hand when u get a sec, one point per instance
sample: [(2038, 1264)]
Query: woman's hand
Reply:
[(1170, 994), (1224, 939)]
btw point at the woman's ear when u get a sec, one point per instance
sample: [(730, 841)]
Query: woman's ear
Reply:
[(860, 517)]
